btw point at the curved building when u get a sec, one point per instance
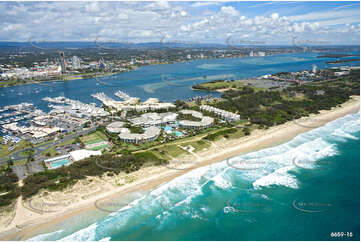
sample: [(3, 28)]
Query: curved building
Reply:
[(115, 127), (205, 121), (150, 134)]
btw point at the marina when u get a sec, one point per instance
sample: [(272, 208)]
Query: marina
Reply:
[(145, 82)]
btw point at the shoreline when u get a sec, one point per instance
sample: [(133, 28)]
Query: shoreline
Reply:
[(27, 224), (92, 75), (176, 62)]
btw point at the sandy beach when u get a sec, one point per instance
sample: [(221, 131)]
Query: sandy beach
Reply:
[(28, 219)]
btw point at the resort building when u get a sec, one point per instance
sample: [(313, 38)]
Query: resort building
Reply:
[(150, 134), (83, 154), (37, 133), (154, 119), (65, 160), (115, 127), (132, 103), (75, 108), (57, 162), (228, 116), (205, 121)]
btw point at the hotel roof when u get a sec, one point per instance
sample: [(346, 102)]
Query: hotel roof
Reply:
[(115, 127), (149, 133), (82, 154)]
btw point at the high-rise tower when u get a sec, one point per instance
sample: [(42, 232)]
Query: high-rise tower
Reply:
[(62, 63)]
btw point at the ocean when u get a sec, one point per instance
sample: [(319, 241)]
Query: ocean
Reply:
[(305, 189)]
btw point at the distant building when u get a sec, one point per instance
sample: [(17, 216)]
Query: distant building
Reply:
[(75, 62), (314, 68), (251, 54), (101, 64), (261, 53), (341, 73), (62, 62), (92, 66)]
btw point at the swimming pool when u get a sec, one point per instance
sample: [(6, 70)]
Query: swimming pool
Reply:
[(168, 129), (178, 134), (57, 164)]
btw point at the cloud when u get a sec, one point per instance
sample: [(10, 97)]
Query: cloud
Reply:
[(150, 21), (231, 11), (346, 6), (202, 4), (275, 16), (316, 16)]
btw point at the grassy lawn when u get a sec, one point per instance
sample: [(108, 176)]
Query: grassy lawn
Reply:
[(198, 145), (20, 162), (20, 146), (236, 135), (94, 138), (52, 150), (101, 135), (223, 85), (169, 150), (88, 139)]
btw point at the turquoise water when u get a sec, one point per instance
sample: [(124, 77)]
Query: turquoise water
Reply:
[(168, 128), (59, 163), (178, 134), (147, 81), (304, 189)]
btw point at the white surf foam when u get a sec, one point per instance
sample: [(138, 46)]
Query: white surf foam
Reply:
[(42, 237), (278, 177)]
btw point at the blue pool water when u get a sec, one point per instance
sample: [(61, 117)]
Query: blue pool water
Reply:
[(178, 134), (57, 164), (168, 128)]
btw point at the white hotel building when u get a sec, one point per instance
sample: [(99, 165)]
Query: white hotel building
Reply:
[(228, 116), (205, 121)]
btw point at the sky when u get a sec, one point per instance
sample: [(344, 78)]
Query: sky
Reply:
[(270, 23)]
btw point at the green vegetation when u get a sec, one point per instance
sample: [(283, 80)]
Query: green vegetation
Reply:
[(235, 93), (9, 190), (97, 137), (61, 178), (93, 137), (169, 151), (4, 149), (198, 145), (218, 84), (134, 129), (218, 134), (269, 108), (190, 117)]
